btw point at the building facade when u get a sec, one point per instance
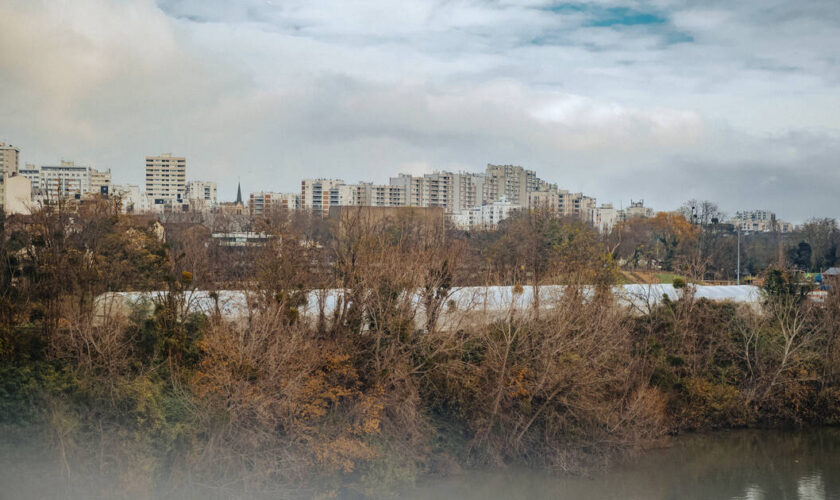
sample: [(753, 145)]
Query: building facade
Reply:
[(166, 179), (202, 194), (63, 181), (266, 203), (9, 160), (100, 181), (318, 195)]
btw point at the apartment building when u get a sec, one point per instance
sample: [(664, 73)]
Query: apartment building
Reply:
[(166, 179), (266, 203), (132, 199), (605, 217), (485, 217), (66, 180), (563, 203), (318, 195), (100, 181), (202, 194), (637, 209), (9, 160), (511, 181), (366, 194), (760, 221), (33, 173)]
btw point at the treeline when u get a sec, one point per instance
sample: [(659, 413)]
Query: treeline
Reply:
[(170, 402)]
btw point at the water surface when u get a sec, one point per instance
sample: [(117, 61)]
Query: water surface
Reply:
[(744, 464)]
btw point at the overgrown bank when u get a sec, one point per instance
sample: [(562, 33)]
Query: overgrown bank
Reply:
[(365, 398)]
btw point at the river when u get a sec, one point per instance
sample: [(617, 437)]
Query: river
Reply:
[(742, 464)]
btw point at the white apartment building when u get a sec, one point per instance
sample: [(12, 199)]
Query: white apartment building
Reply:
[(203, 194), (9, 160), (759, 221), (132, 199), (606, 217), (33, 173), (66, 180), (318, 195), (485, 217), (266, 203), (166, 179)]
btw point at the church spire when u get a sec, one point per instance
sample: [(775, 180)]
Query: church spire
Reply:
[(239, 193)]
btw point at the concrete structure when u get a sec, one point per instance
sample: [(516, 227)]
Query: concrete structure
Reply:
[(100, 181), (318, 195), (33, 173), (9, 160), (132, 199), (485, 217), (637, 209), (202, 195), (15, 194), (605, 217), (563, 203), (166, 179), (266, 203), (452, 191), (512, 182), (63, 181), (366, 194), (760, 221)]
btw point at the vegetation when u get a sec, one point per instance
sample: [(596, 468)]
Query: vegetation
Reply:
[(372, 394)]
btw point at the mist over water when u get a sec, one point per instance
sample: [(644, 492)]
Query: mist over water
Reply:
[(742, 464)]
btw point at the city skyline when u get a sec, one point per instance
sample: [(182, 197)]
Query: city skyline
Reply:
[(664, 101)]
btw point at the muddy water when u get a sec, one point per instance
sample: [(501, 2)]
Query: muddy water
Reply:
[(746, 464)]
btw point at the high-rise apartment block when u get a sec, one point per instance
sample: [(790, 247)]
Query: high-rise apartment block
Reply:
[(166, 179), (318, 195), (265, 203), (9, 160), (511, 181)]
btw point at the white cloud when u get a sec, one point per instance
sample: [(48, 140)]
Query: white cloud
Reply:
[(273, 91)]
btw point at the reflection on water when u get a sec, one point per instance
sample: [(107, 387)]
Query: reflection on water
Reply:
[(748, 464)]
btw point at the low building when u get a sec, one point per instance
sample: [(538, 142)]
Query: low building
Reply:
[(132, 199), (486, 217), (16, 195)]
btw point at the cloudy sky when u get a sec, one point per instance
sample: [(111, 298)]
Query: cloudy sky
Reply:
[(737, 102)]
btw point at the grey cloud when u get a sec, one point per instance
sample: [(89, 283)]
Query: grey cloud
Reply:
[(272, 91)]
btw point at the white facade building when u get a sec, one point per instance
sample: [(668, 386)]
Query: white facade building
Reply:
[(202, 194), (485, 217), (66, 180), (166, 179), (133, 200)]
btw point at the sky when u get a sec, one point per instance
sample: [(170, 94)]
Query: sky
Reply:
[(664, 100)]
